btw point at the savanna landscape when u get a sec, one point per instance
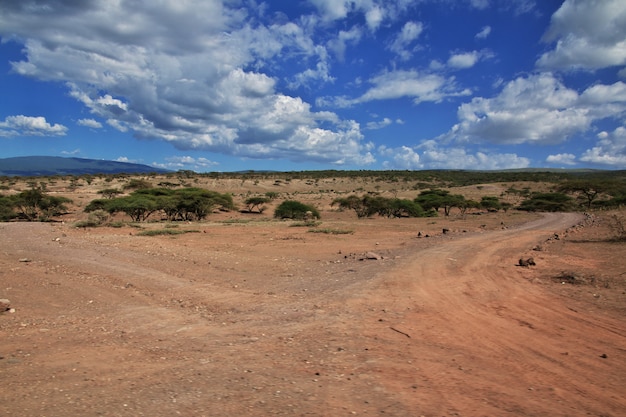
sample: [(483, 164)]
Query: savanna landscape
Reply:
[(441, 293)]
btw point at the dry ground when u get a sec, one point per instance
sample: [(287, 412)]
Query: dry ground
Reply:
[(247, 316)]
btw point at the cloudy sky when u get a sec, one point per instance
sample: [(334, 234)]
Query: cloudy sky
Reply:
[(226, 85)]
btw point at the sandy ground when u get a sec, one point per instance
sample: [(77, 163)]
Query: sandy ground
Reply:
[(258, 318)]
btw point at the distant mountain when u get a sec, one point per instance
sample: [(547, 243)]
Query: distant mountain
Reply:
[(34, 166)]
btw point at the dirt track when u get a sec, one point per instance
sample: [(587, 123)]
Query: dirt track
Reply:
[(112, 324)]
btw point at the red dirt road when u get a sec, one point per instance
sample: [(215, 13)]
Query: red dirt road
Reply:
[(257, 321)]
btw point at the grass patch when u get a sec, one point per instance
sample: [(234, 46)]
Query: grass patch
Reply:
[(332, 231), (308, 223), (160, 232)]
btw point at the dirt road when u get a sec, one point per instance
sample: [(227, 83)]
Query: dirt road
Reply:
[(118, 326)]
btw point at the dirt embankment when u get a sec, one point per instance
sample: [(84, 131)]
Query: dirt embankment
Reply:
[(268, 320)]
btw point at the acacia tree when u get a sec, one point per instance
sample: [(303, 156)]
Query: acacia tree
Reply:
[(257, 202), (435, 199), (590, 190), (181, 204), (34, 204), (547, 202), (367, 206), (138, 207), (490, 203)]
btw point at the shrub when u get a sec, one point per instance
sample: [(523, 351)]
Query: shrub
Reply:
[(296, 210)]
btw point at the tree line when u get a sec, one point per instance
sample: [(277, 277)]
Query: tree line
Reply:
[(194, 204)]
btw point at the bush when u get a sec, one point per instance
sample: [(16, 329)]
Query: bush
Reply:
[(295, 210)]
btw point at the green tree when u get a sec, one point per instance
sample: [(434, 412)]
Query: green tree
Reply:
[(490, 203), (296, 210), (34, 204), (256, 202), (590, 189), (6, 209), (353, 202), (435, 199), (548, 202), (138, 207)]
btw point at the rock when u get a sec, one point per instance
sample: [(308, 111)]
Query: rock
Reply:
[(373, 256), (571, 277), (25, 260), (526, 262), (5, 305)]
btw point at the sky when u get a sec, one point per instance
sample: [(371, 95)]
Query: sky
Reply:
[(293, 85)]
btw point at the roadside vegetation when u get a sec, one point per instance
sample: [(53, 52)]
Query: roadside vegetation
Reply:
[(186, 196)]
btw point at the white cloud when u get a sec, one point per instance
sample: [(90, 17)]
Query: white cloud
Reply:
[(198, 74), (94, 124), (340, 43), (379, 124), (390, 85), (375, 11), (21, 125), (610, 150), (484, 32), (588, 34), (463, 60), (537, 109), (374, 17), (480, 4), (188, 162), (430, 155), (562, 159), (409, 33)]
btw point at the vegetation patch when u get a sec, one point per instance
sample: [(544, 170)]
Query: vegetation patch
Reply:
[(332, 231), (308, 223), (159, 232)]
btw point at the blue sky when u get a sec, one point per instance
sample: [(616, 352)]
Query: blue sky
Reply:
[(227, 85)]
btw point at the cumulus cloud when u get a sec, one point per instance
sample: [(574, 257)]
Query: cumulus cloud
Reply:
[(94, 124), (390, 85), (198, 74), (463, 60), (21, 125), (610, 150), (430, 155), (588, 35), (562, 159), (537, 109)]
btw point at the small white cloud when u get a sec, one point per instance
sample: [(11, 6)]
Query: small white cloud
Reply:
[(484, 32), (463, 60), (188, 162), (480, 4), (379, 124), (94, 124), (562, 159), (30, 126), (374, 18)]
